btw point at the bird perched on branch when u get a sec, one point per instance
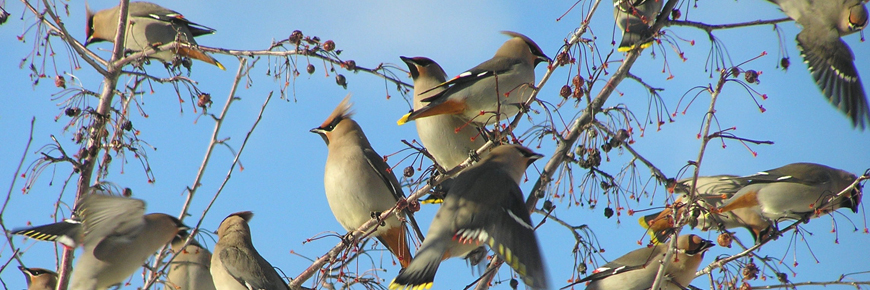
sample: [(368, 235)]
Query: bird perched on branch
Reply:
[(637, 269), (39, 278), (150, 25), (634, 18), (116, 235), (359, 184), (829, 59), (484, 206), (757, 202), (449, 138), (474, 96), (236, 264)]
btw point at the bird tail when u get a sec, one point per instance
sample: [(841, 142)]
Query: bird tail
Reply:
[(67, 232), (420, 274), (397, 242), (200, 55), (659, 226), (632, 38)]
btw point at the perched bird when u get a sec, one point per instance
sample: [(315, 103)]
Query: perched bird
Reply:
[(190, 268), (116, 235), (634, 18), (449, 138), (829, 59), (795, 191), (150, 24), (236, 265), (757, 202), (358, 182), (712, 192), (484, 206), (473, 95), (637, 269), (39, 278)]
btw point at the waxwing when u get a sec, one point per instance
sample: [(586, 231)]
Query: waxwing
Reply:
[(39, 278), (190, 268), (634, 18), (116, 235), (149, 24), (483, 207), (236, 264), (637, 269), (829, 59), (359, 183), (473, 95)]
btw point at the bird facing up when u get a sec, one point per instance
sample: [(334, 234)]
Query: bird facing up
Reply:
[(474, 96), (190, 270), (149, 25), (39, 278), (236, 264), (359, 183), (447, 137), (483, 207)]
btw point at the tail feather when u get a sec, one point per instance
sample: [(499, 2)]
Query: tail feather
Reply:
[(397, 242), (199, 55), (659, 226), (421, 273), (67, 232)]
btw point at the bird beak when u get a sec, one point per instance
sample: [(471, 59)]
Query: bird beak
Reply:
[(534, 157), (705, 244), (322, 134)]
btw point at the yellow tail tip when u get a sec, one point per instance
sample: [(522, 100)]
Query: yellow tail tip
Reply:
[(643, 223), (219, 65), (404, 119)]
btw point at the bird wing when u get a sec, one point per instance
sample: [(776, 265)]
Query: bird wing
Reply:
[(634, 260), (489, 68), (804, 173), (244, 268), (150, 10), (502, 221), (832, 65), (110, 216), (385, 173)]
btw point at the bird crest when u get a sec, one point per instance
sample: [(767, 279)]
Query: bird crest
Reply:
[(341, 112)]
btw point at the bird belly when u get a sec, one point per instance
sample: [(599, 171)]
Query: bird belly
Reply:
[(448, 138), (353, 203), (513, 89)]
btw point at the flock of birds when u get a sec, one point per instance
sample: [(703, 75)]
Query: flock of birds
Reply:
[(484, 205)]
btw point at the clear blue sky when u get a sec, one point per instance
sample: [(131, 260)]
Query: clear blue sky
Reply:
[(283, 163)]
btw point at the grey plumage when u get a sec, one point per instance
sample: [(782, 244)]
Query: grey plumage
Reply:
[(190, 270), (634, 18), (236, 264), (149, 24), (473, 94), (829, 59), (484, 206)]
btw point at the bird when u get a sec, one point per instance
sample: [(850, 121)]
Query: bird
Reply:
[(634, 18), (712, 191), (637, 269), (473, 94), (190, 270), (829, 59), (39, 278), (795, 191), (236, 264), (359, 183), (149, 25), (484, 206), (116, 235), (449, 138)]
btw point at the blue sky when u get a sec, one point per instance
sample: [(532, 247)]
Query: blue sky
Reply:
[(283, 163)]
